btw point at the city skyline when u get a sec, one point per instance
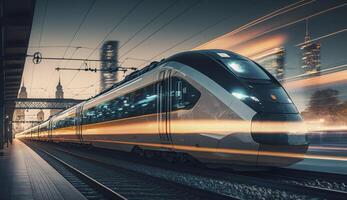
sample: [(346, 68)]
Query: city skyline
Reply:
[(148, 31)]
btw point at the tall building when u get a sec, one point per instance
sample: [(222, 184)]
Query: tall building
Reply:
[(273, 61), (59, 94), (109, 64), (310, 54), (19, 114)]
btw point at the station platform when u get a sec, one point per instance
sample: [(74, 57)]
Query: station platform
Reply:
[(24, 175)]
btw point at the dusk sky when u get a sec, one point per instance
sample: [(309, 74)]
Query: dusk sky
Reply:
[(155, 29)]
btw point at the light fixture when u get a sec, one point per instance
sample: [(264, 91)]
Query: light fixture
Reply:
[(236, 67), (242, 96)]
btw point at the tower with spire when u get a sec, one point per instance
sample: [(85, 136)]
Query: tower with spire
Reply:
[(59, 94), (310, 54), (19, 114)]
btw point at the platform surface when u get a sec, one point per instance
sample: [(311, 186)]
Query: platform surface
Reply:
[(24, 175)]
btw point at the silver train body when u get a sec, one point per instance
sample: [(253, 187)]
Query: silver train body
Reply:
[(216, 106)]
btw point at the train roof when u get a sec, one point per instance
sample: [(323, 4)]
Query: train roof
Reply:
[(195, 56), (214, 53)]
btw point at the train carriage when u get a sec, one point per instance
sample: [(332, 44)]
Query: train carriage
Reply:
[(214, 105)]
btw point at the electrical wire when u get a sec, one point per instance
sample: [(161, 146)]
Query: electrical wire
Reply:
[(261, 19), (91, 6), (147, 24), (109, 33), (40, 40), (161, 27)]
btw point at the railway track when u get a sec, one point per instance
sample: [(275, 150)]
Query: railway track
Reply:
[(223, 181), (88, 186), (97, 180), (336, 183)]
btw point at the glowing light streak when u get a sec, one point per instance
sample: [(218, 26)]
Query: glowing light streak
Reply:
[(326, 79), (328, 148), (256, 47), (266, 54), (230, 151), (221, 41), (299, 20), (148, 125), (322, 37)]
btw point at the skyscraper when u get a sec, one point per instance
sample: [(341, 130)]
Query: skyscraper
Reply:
[(109, 64), (19, 114), (59, 94), (310, 54)]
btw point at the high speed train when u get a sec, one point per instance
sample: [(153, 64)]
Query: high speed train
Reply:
[(215, 106)]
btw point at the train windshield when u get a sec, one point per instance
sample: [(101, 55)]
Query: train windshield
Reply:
[(245, 69)]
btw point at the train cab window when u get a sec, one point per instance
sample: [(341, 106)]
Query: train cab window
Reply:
[(183, 95), (245, 69)]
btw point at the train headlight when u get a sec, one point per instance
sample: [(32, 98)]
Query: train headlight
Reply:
[(243, 96)]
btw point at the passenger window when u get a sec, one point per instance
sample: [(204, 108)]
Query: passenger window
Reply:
[(184, 95), (140, 102)]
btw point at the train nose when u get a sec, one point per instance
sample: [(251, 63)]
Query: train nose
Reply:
[(279, 129), (282, 139)]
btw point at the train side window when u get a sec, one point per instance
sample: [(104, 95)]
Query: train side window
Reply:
[(140, 102), (184, 95), (145, 101)]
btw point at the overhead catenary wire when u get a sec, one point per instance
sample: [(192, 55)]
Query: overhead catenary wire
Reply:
[(90, 7), (323, 37), (115, 27), (57, 46), (162, 27), (300, 20), (40, 40), (148, 23), (271, 15), (185, 40), (109, 33), (86, 14), (248, 25), (257, 21)]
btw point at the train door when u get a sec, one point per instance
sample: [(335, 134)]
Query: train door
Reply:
[(38, 131), (78, 123), (50, 130), (164, 106)]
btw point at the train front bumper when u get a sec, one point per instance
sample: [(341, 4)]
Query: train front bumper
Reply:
[(282, 139)]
